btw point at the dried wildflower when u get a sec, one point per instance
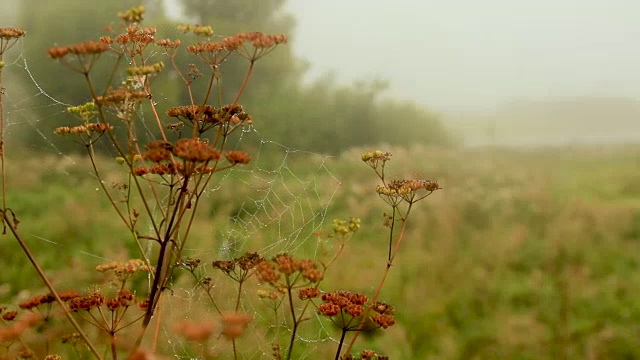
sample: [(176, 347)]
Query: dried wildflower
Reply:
[(133, 15), (237, 157), (342, 303), (308, 293), (249, 261), (88, 302), (233, 324), (84, 48), (168, 43), (383, 320), (9, 316), (87, 129), (267, 272), (117, 97), (11, 33), (407, 190), (195, 150), (143, 305), (270, 294), (226, 266), (157, 151), (196, 331), (373, 157), (190, 264), (135, 40), (37, 301), (123, 270), (53, 357), (286, 264)]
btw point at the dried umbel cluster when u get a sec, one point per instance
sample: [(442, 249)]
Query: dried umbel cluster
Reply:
[(206, 117), (124, 270), (185, 157), (8, 38), (214, 53), (397, 191), (285, 271), (345, 307)]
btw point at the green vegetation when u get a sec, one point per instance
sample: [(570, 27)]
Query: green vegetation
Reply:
[(524, 254)]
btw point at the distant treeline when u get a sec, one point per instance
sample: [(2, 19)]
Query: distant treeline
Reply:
[(320, 116)]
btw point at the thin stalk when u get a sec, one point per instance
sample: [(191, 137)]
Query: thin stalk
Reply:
[(2, 152), (382, 281), (49, 285), (344, 333), (295, 321)]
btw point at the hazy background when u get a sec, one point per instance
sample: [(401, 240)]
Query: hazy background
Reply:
[(550, 66), (496, 72)]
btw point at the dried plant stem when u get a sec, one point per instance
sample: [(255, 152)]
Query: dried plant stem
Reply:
[(244, 83), (8, 222), (295, 322), (2, 149), (344, 333), (382, 281)]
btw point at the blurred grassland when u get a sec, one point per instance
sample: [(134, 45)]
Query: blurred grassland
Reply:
[(524, 254)]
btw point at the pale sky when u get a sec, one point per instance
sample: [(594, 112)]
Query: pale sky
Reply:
[(459, 54)]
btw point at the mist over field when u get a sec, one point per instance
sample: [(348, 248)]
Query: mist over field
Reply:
[(499, 71)]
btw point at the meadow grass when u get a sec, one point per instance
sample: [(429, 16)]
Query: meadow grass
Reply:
[(527, 254)]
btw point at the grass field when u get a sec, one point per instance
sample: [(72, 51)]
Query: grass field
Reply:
[(524, 254)]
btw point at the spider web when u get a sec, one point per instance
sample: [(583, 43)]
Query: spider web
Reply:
[(278, 203)]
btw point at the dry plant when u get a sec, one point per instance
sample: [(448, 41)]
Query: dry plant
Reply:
[(165, 182)]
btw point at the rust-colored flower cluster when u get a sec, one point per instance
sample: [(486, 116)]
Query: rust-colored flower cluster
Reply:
[(86, 129), (195, 150), (123, 299), (365, 355), (407, 187), (341, 303), (93, 300), (308, 293), (8, 38), (123, 270), (270, 271), (8, 315), (262, 41), (116, 97), (206, 117), (47, 299), (85, 48), (245, 262), (168, 43), (213, 53), (237, 157), (11, 33), (191, 151)]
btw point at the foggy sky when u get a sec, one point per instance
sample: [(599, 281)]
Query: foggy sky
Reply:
[(459, 54)]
